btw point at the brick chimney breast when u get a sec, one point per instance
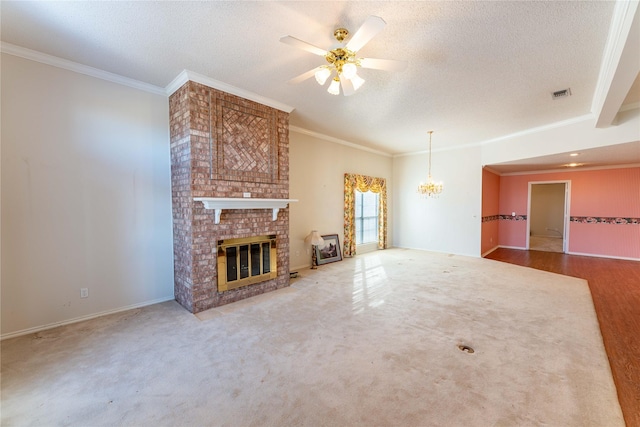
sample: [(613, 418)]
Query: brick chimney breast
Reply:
[(224, 146)]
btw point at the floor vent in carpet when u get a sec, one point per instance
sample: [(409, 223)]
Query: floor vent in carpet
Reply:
[(466, 348)]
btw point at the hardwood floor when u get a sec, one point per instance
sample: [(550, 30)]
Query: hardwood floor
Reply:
[(615, 288)]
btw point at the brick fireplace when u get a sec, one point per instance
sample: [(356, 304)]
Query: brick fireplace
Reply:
[(224, 146)]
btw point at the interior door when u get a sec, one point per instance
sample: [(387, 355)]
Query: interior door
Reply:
[(548, 216)]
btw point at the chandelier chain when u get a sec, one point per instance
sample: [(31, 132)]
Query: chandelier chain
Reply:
[(430, 133), (430, 188)]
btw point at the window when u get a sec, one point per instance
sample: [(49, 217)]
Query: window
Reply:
[(353, 182), (366, 217)]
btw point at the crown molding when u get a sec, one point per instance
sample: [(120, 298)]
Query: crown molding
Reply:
[(181, 79), (566, 170), (437, 150), (177, 83), (628, 107), (319, 135), (65, 64), (525, 132), (543, 128), (187, 75), (493, 171)]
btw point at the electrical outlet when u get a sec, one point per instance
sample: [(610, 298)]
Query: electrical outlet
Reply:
[(84, 292)]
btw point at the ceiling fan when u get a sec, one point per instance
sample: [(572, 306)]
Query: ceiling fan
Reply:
[(343, 61)]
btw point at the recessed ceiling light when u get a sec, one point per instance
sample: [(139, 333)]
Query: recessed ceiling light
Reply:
[(574, 154), (573, 165)]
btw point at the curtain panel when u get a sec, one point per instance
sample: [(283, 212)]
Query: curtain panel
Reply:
[(363, 183)]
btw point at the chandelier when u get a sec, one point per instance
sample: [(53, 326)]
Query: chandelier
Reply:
[(430, 188), (343, 62)]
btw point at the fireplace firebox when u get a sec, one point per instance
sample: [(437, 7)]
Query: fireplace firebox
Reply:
[(245, 261)]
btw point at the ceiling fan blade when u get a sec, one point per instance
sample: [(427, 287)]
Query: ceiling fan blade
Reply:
[(372, 26), (303, 76), (347, 86), (292, 41), (383, 64)]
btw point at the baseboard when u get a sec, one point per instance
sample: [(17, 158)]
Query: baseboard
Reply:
[(603, 256), (366, 248), (513, 247), (82, 318), (475, 255), (489, 251), (578, 254), (300, 267)]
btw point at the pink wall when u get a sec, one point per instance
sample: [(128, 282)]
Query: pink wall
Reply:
[(490, 210), (602, 195), (513, 232), (616, 191), (490, 193)]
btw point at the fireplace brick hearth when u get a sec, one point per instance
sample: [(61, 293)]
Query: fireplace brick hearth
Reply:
[(224, 146)]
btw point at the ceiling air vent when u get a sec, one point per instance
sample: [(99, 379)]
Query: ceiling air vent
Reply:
[(561, 93)]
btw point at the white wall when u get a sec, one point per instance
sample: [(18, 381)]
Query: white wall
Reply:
[(316, 178), (450, 223), (86, 196)]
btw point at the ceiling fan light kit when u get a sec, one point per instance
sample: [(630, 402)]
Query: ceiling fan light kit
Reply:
[(334, 87), (345, 64), (357, 81), (322, 75), (349, 70), (343, 60)]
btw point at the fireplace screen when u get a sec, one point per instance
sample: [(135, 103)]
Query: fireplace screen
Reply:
[(246, 261)]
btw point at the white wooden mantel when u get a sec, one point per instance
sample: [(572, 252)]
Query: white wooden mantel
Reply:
[(220, 203)]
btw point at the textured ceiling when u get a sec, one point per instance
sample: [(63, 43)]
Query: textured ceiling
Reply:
[(476, 70)]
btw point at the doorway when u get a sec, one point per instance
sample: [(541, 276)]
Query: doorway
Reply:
[(548, 214)]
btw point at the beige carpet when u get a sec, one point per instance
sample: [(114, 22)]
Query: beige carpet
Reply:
[(370, 341)]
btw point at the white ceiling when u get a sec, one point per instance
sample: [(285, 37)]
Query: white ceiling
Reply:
[(610, 156), (476, 70)]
